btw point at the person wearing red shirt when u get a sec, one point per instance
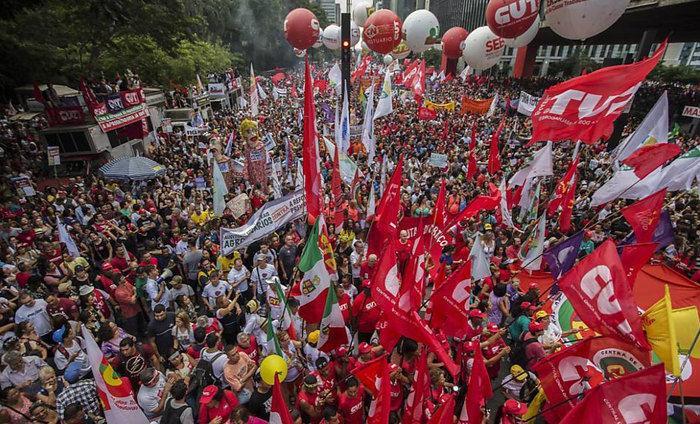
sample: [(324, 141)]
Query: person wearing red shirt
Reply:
[(248, 345), (105, 279), (396, 389), (325, 375), (344, 303), (122, 258), (492, 351), (368, 267), (365, 313), (351, 402), (365, 355), (309, 404), (331, 416), (216, 403), (341, 367), (61, 307)]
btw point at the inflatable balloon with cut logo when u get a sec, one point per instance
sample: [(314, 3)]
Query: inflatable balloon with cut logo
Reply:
[(401, 51), (452, 42), (382, 31), (421, 30), (361, 11), (301, 28), (271, 365), (482, 48), (331, 37), (511, 18), (582, 19), (524, 39)]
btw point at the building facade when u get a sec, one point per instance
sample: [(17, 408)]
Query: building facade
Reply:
[(468, 14)]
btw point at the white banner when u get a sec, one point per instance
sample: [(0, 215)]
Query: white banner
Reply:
[(527, 103), (54, 155), (239, 205), (267, 219), (691, 111), (437, 160)]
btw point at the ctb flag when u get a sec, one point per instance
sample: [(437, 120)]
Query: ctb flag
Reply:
[(643, 215)]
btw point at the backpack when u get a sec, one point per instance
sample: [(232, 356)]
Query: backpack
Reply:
[(528, 391), (201, 376), (517, 355), (172, 415)]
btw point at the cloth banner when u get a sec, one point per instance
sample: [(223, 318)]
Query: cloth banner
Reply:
[(255, 162), (449, 106), (527, 103), (267, 219), (437, 160), (479, 107), (238, 205)]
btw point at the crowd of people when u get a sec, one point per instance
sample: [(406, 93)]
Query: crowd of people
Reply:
[(187, 325)]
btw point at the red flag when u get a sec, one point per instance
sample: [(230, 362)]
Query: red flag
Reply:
[(477, 205), (410, 73), (380, 408), (634, 257), (450, 302), (494, 164), (413, 413), (279, 412), (417, 84), (310, 156), (440, 203), (369, 372), (598, 290), (294, 91), (386, 216), (445, 413), (513, 196), (322, 85), (471, 166), (567, 201), (361, 69), (566, 374), (584, 108), (425, 114), (647, 158), (639, 397), (644, 214), (337, 191), (472, 142), (478, 388), (278, 77), (563, 187)]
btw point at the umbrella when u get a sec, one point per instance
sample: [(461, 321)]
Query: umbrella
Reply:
[(132, 168)]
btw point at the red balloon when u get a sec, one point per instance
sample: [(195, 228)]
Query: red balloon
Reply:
[(382, 31), (301, 28), (452, 42), (511, 18)]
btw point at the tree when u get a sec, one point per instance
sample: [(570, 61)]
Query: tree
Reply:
[(675, 74)]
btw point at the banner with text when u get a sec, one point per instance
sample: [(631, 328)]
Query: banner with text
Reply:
[(267, 219), (527, 103)]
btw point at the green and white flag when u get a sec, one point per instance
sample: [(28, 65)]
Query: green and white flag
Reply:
[(384, 105), (531, 251), (333, 330), (273, 343), (318, 265)]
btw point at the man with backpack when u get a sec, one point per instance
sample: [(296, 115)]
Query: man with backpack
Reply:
[(177, 411)]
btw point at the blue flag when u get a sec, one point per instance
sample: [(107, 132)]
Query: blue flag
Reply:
[(561, 257)]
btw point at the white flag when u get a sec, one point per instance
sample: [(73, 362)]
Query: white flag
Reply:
[(368, 127), (492, 108), (652, 130), (371, 203), (65, 238), (299, 183), (384, 105), (533, 246), (465, 72), (254, 100), (539, 166), (219, 190), (335, 76), (527, 103), (117, 396), (480, 262), (505, 211), (261, 91), (344, 143)]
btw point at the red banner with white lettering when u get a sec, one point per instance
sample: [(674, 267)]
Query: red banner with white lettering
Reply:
[(584, 108), (598, 290)]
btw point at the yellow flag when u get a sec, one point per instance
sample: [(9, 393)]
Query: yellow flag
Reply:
[(534, 408), (661, 333), (687, 324)]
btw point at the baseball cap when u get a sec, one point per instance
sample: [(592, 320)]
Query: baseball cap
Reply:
[(487, 227), (393, 367), (475, 313), (364, 348), (72, 372), (525, 305), (366, 283), (518, 372), (208, 394), (533, 286), (492, 327), (107, 266), (313, 336), (541, 314), (341, 352), (57, 336), (513, 407), (470, 346), (535, 326)]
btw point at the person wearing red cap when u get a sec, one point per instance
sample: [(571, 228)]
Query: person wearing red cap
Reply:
[(511, 412), (365, 354), (365, 313), (534, 351), (397, 392), (106, 279), (492, 351), (216, 403)]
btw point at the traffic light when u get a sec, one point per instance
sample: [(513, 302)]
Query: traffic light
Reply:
[(345, 48)]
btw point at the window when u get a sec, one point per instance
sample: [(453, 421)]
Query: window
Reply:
[(69, 142), (116, 138)]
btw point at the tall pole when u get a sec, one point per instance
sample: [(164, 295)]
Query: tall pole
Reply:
[(346, 49)]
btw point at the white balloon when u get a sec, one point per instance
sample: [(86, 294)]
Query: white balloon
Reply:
[(361, 11), (583, 19), (332, 37), (388, 59), (421, 30), (482, 48), (319, 42), (525, 38), (354, 33)]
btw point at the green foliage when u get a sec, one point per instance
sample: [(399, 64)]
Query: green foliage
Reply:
[(432, 58), (573, 65), (680, 74)]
